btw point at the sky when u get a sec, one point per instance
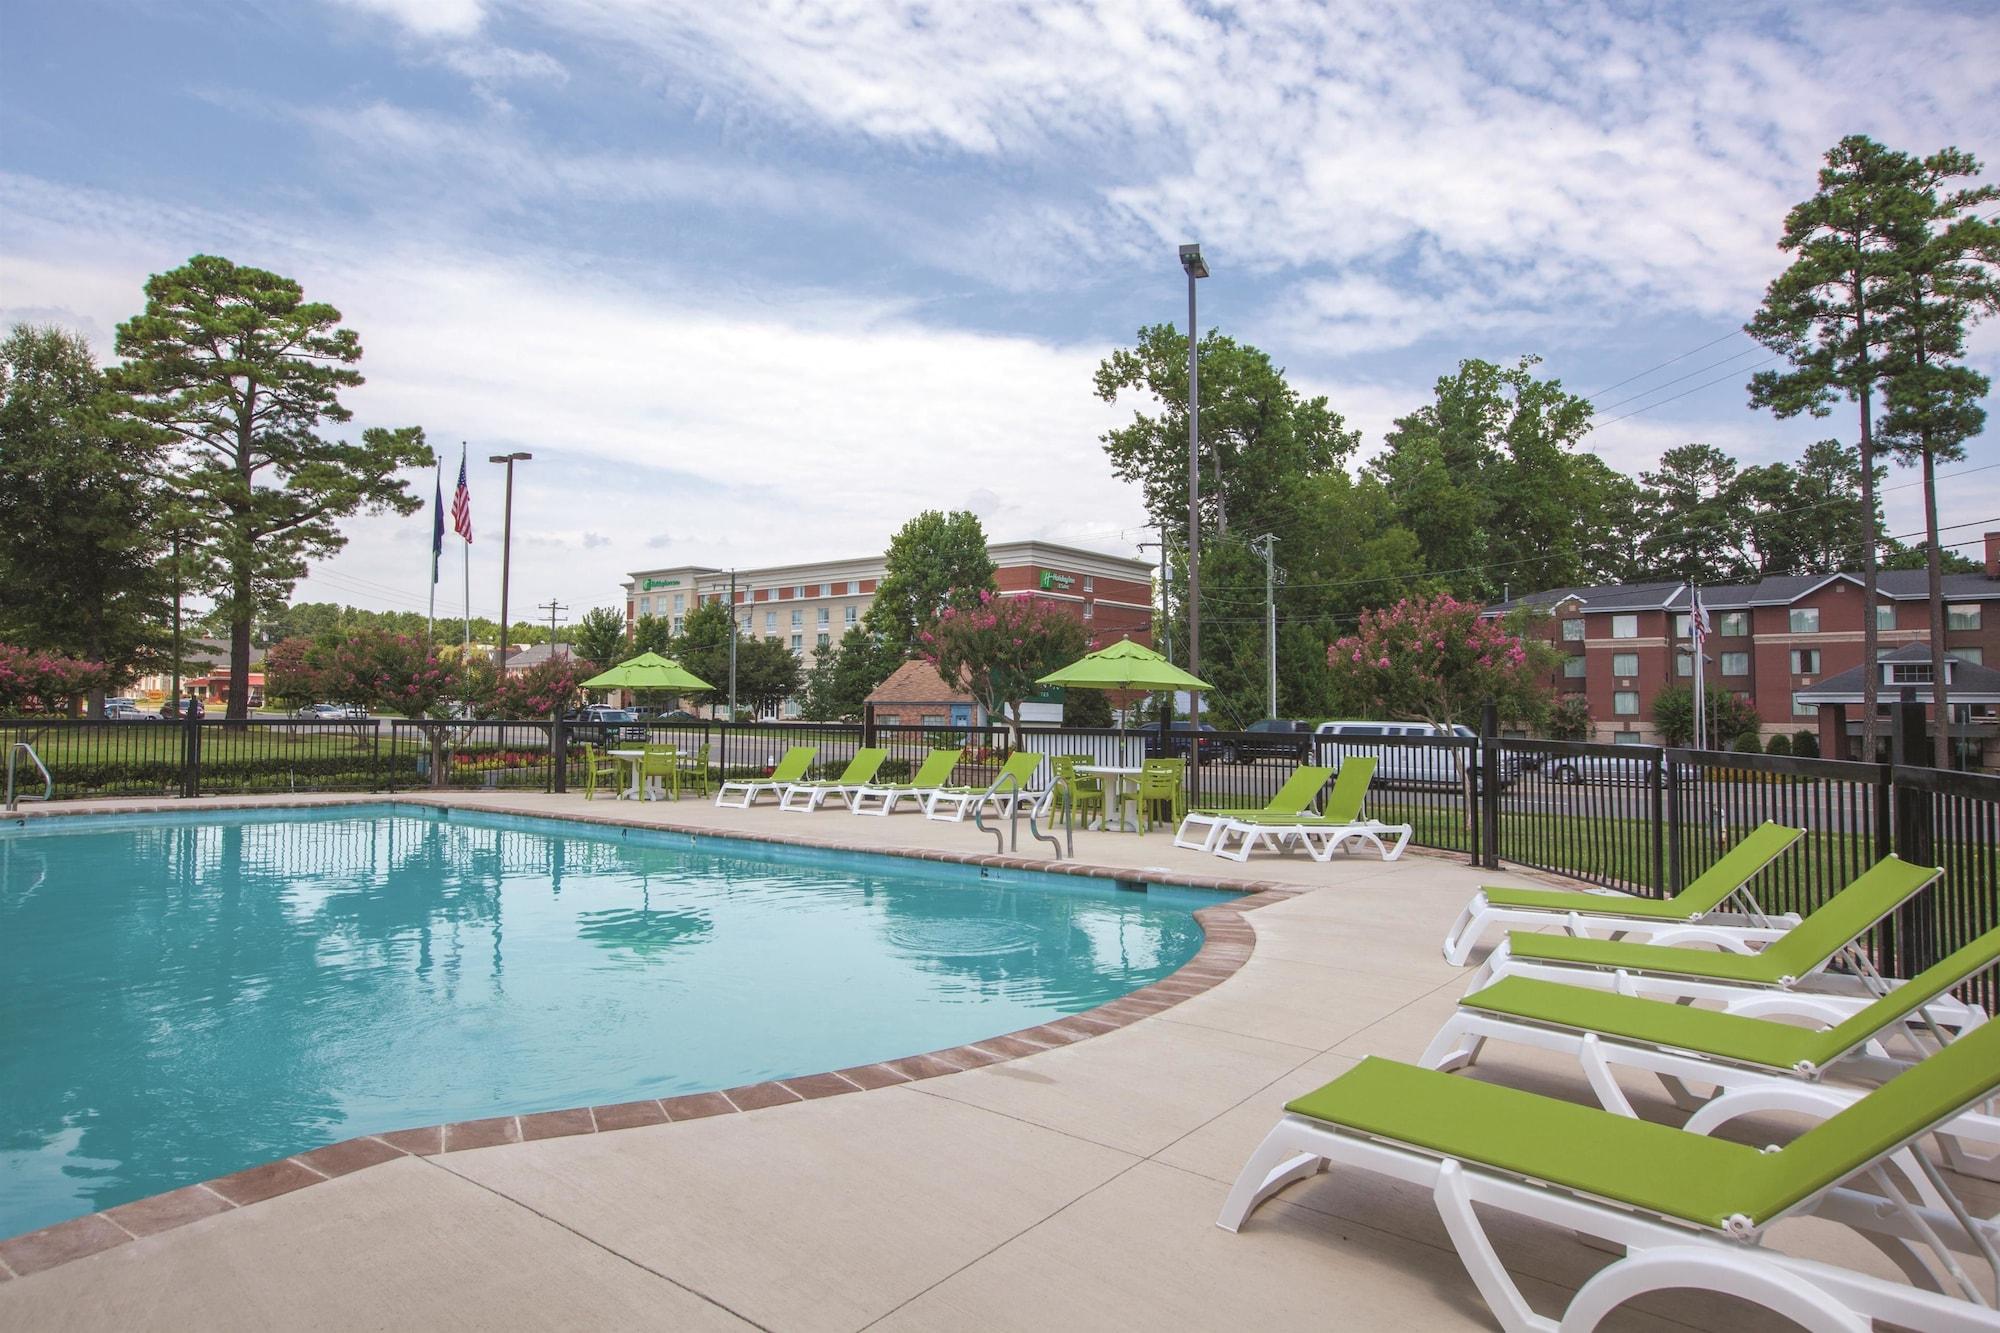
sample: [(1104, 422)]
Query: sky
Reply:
[(756, 282)]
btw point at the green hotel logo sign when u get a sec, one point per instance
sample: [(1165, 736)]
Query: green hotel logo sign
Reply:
[(1052, 580), (647, 585)]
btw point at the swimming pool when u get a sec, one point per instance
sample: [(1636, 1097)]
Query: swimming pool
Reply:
[(183, 996)]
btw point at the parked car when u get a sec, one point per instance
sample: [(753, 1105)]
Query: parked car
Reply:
[(1210, 749), (1399, 765), (600, 723), (1608, 769), (1275, 738), (122, 710), (673, 715), (330, 712)]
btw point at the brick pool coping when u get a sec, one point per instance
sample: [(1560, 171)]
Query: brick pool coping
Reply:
[(1227, 942)]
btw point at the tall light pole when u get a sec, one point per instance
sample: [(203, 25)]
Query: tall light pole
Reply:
[(506, 546), (1197, 268)]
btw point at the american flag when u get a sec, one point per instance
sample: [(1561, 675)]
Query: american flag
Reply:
[(461, 505), (1698, 626)]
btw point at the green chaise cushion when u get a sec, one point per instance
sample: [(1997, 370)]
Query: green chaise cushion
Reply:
[(1750, 1041), (1688, 1176), (1707, 891), (1755, 968)]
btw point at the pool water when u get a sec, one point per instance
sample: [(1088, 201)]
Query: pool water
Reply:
[(181, 997)]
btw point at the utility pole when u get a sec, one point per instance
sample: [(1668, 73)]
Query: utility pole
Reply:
[(552, 606), (1196, 268), (732, 645), (506, 546), (1268, 542), (175, 696)]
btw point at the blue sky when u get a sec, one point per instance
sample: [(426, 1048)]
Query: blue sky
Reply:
[(757, 282)]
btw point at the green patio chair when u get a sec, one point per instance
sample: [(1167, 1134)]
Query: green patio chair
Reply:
[(1321, 835), (791, 767), (1160, 795), (1671, 965), (1294, 798), (1009, 787), (860, 771), (694, 768), (597, 767), (1725, 882), (1086, 790), (931, 775), (661, 764), (1679, 1210)]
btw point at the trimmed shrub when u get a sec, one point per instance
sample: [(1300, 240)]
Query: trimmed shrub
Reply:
[(1748, 742), (1779, 744), (1805, 744)]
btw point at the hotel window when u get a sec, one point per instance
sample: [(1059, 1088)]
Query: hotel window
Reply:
[(1962, 616), (798, 618), (1624, 738), (1736, 664), (1681, 626), (1805, 661), (1976, 656), (826, 590), (820, 641), (799, 592), (825, 615), (770, 622), (1733, 623), (1624, 627), (680, 601), (1572, 630), (645, 606), (1624, 664), (851, 616), (677, 624), (1885, 615), (1575, 667), (746, 622), (1803, 709), (1089, 609), (1683, 664), (1805, 620), (854, 587), (798, 644), (1625, 703), (1089, 583)]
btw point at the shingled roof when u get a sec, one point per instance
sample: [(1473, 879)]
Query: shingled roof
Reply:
[(918, 683)]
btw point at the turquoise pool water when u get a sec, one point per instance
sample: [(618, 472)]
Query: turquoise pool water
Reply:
[(181, 997)]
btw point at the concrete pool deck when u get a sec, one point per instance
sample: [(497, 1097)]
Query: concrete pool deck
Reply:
[(1075, 1186)]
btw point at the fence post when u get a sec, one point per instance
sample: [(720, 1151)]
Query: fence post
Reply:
[(1489, 787), (867, 725), (1670, 773), (376, 762), (559, 753), (1656, 800), (190, 754), (1916, 933)]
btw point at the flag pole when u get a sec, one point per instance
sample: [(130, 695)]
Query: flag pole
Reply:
[(468, 565), (437, 551)]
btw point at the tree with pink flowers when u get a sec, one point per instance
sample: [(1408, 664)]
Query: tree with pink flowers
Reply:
[(1000, 646), (37, 682), (1434, 659)]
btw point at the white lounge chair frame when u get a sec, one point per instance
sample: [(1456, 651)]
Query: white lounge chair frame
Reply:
[(1320, 841), (1659, 1255), (810, 796), (1479, 916), (751, 788)]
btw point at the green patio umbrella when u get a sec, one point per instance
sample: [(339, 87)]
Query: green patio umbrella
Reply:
[(648, 671), (1125, 665)]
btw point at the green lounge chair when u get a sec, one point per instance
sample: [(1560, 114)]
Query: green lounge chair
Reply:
[(860, 771), (1620, 913), (1795, 958), (791, 767), (1203, 825), (884, 797), (1756, 1062), (1008, 789), (1324, 834), (1681, 1210)]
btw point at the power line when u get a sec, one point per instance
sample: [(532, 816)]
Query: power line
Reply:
[(1662, 366), (1735, 356)]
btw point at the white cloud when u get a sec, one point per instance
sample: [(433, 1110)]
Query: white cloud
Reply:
[(428, 18), (790, 427), (503, 64)]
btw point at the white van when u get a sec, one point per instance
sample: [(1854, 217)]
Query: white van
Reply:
[(1405, 765)]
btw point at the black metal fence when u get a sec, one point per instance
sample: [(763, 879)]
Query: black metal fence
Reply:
[(1639, 818)]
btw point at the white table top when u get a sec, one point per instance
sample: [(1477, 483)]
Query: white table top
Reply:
[(1110, 770)]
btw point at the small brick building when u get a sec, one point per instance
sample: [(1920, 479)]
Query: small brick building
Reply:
[(916, 695)]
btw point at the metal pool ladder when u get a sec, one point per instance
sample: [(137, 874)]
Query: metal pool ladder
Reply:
[(13, 757), (1013, 835)]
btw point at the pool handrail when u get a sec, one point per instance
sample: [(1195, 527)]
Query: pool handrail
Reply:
[(48, 783)]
